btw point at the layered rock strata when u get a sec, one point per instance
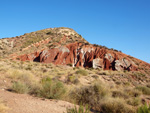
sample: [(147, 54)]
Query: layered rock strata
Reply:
[(79, 54)]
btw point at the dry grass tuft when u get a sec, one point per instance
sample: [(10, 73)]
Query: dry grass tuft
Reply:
[(145, 90), (51, 89), (20, 87), (82, 72), (115, 105), (90, 95)]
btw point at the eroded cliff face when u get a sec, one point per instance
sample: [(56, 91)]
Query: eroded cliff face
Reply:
[(79, 54)]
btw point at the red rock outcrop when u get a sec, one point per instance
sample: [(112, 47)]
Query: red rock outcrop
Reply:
[(29, 57), (65, 46), (87, 56)]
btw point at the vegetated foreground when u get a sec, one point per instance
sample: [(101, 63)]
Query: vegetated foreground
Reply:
[(59, 64), (103, 91)]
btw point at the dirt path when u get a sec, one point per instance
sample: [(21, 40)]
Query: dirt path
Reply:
[(23, 103)]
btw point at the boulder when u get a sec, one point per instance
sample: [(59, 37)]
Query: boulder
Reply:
[(123, 64), (97, 63)]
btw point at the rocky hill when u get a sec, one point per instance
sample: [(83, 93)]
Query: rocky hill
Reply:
[(58, 63), (64, 46)]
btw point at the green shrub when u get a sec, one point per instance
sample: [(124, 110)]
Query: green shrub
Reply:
[(51, 89), (34, 89), (28, 67), (145, 90), (134, 101), (20, 87), (120, 94), (46, 79), (115, 105), (133, 92), (21, 75), (144, 109), (82, 72), (90, 95), (72, 79), (79, 109)]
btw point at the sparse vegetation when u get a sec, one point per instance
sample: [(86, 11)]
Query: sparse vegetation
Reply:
[(80, 109), (144, 109), (46, 88), (81, 72), (19, 87), (145, 90), (90, 95), (76, 85), (134, 101), (119, 94), (51, 89), (115, 105), (72, 79), (96, 45)]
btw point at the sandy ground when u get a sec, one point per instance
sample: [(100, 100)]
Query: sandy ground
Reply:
[(23, 103)]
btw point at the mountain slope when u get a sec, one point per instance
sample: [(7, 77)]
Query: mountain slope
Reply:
[(27, 66), (66, 47)]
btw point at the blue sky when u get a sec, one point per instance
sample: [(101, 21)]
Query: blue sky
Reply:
[(120, 24)]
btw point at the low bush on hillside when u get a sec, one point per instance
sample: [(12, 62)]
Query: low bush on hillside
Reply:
[(35, 88), (82, 72), (144, 109), (105, 99), (51, 89), (80, 109), (145, 90), (131, 96), (90, 95), (20, 87), (115, 105), (19, 75), (134, 101), (133, 92), (13, 73), (47, 88), (119, 94), (72, 79)]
